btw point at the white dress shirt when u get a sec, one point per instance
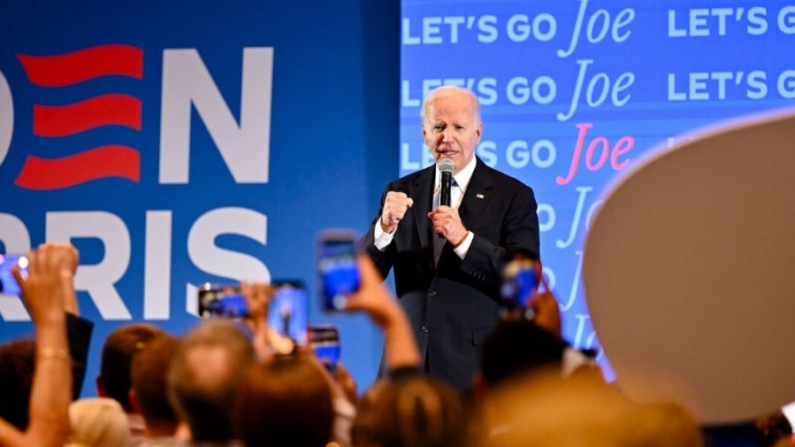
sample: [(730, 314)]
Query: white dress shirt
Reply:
[(382, 239)]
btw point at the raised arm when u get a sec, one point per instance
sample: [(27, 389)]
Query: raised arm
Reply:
[(48, 286), (374, 299), (266, 340), (378, 241)]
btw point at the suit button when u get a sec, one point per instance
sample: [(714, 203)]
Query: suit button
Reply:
[(425, 329), (431, 294)]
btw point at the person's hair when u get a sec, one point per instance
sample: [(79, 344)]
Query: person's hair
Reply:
[(413, 412), (285, 401), (17, 362), (773, 427), (98, 422), (449, 90), (149, 371), (117, 355), (518, 347), (203, 375)]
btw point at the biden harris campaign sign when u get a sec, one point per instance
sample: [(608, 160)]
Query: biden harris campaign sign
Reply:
[(575, 92), (79, 144), (177, 143)]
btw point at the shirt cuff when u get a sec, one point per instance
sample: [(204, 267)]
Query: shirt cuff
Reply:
[(463, 248), (382, 239)]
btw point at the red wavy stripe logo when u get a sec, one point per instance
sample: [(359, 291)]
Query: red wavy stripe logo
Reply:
[(105, 110), (72, 68), (101, 162)]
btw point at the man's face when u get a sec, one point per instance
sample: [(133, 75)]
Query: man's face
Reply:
[(450, 129)]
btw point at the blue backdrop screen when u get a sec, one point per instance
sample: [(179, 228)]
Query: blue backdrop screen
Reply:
[(575, 93), (182, 142)]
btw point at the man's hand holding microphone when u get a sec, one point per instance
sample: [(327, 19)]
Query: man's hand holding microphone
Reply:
[(445, 219)]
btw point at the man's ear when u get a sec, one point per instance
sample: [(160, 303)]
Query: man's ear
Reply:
[(479, 131), (100, 387), (136, 407)]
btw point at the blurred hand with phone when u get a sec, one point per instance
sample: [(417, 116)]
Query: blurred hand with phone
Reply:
[(266, 340), (44, 279), (373, 298), (8, 285), (547, 311), (520, 278), (325, 342), (337, 269), (275, 313), (346, 382), (525, 294)]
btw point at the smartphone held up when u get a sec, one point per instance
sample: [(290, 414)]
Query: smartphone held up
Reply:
[(287, 312), (338, 269), (325, 342), (8, 284), (338, 278), (521, 276)]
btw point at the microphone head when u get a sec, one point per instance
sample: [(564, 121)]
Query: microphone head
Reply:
[(446, 165)]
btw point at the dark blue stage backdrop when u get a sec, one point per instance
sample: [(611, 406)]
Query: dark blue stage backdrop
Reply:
[(181, 142), (576, 92)]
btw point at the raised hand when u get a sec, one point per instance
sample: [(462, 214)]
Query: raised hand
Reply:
[(49, 282), (266, 340), (346, 382), (373, 298), (46, 290), (395, 206), (258, 297), (547, 310)]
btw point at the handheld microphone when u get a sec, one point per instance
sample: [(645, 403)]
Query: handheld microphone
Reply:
[(446, 167)]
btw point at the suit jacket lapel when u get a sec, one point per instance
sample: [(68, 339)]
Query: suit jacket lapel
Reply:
[(477, 194), (422, 194)]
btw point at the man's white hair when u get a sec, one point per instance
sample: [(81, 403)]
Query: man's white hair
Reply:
[(449, 90)]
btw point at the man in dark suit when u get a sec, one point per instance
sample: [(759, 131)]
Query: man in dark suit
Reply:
[(447, 258)]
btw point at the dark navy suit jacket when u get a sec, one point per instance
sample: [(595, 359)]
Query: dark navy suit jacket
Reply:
[(453, 306)]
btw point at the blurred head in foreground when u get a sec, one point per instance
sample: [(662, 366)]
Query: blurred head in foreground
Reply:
[(413, 412), (286, 400), (203, 376), (550, 411)]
